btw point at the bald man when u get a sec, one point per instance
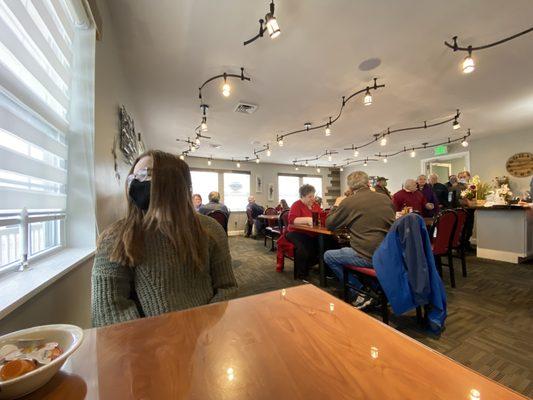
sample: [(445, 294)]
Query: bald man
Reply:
[(410, 196)]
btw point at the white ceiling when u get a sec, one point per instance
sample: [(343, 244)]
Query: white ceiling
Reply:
[(170, 47)]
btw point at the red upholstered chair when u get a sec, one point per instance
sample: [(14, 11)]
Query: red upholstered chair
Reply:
[(272, 230), (459, 238), (221, 218), (444, 228)]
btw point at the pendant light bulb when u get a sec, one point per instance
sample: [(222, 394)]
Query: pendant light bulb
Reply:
[(280, 142), (368, 98), (456, 125), (238, 164), (226, 89), (203, 125), (464, 143), (209, 162), (365, 164), (355, 153), (269, 153), (193, 149), (330, 158), (318, 169), (306, 164), (342, 169), (468, 64), (197, 141), (272, 26), (385, 160), (413, 154), (296, 168), (383, 141), (328, 130), (257, 160), (182, 157)]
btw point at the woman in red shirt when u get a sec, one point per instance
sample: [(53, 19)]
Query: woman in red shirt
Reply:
[(305, 244)]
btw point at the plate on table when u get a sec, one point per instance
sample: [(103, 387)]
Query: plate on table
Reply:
[(29, 358)]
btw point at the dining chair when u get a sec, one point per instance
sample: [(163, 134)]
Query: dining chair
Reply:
[(443, 229), (458, 243), (221, 218), (272, 230)]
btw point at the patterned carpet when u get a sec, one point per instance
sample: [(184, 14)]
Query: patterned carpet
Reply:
[(490, 313)]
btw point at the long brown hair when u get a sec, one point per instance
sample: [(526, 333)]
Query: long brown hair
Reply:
[(171, 212)]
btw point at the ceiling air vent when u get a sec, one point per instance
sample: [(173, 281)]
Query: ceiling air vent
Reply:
[(245, 108)]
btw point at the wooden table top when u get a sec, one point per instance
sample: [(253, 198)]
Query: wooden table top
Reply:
[(270, 217), (307, 228), (267, 346)]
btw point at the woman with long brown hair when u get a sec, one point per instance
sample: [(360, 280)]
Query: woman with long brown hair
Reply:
[(163, 256)]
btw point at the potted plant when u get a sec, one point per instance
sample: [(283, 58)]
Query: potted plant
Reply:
[(482, 190)]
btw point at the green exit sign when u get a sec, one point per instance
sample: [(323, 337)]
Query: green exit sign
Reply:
[(440, 150)]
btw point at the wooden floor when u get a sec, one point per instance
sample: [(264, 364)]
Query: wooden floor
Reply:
[(490, 313)]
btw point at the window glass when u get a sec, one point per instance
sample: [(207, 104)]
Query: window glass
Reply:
[(204, 182), (9, 244), (314, 181), (288, 188), (236, 191), (44, 236)]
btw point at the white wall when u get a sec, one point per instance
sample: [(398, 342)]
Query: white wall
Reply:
[(269, 173), (488, 156)]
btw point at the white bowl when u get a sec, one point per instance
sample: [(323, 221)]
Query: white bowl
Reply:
[(69, 338)]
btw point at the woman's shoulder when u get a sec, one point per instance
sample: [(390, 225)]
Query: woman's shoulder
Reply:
[(108, 237)]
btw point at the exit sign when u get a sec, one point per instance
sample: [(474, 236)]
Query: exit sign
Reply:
[(440, 150)]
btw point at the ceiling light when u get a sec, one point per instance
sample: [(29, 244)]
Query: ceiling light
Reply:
[(355, 153), (385, 160), (365, 164), (318, 169), (296, 168), (226, 89), (203, 125), (468, 64), (272, 26), (280, 142), (330, 158), (456, 124), (209, 162), (257, 160), (383, 141), (197, 141), (342, 169), (306, 163), (192, 149), (238, 164), (182, 157), (368, 98), (269, 153), (464, 143), (413, 154), (328, 130)]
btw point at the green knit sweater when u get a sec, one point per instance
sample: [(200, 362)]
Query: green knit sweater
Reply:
[(160, 283)]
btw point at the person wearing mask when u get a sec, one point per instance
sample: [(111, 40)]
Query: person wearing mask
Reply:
[(441, 191), (214, 204), (147, 264), (197, 201), (253, 210), (305, 244), (282, 206), (410, 196), (429, 195), (369, 215), (464, 178), (381, 186)]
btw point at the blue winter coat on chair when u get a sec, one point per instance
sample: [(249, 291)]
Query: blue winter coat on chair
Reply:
[(406, 271)]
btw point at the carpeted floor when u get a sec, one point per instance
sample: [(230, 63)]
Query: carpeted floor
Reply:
[(490, 313)]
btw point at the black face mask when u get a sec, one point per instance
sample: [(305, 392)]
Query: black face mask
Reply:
[(140, 194)]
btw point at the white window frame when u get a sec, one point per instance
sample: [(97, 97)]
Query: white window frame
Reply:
[(301, 180), (23, 219)]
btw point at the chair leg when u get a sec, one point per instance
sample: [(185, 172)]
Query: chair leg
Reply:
[(384, 308), (452, 271), (463, 260)]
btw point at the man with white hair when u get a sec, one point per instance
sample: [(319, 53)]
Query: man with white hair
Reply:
[(253, 210), (368, 215), (410, 196)]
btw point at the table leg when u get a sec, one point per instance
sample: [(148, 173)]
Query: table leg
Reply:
[(321, 265)]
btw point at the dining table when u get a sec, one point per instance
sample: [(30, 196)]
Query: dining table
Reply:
[(266, 217), (294, 343), (321, 233)]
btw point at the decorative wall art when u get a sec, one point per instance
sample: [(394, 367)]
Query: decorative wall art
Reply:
[(270, 192), (520, 165), (258, 184), (130, 142)]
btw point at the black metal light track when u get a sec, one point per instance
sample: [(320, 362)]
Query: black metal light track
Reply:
[(425, 125), (455, 46), (345, 101), (303, 160), (266, 147), (224, 76), (263, 25)]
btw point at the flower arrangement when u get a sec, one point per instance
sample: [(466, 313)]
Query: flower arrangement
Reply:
[(470, 192), (504, 193), (482, 188)]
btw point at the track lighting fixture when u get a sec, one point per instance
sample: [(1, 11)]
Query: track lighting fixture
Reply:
[(306, 163), (464, 143), (365, 164), (367, 100), (238, 164), (257, 161), (203, 125), (330, 158), (269, 153), (385, 160), (192, 149), (270, 25), (182, 157), (197, 141), (469, 65), (209, 162), (296, 168), (280, 142), (341, 169), (456, 124), (412, 153), (355, 152), (328, 153), (226, 89), (383, 141), (318, 169), (332, 120)]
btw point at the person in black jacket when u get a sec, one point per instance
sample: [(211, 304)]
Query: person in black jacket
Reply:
[(441, 191)]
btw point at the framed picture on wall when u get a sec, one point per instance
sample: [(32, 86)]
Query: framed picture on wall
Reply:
[(270, 192), (258, 184)]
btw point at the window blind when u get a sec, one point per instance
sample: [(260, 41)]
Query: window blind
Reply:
[(36, 54)]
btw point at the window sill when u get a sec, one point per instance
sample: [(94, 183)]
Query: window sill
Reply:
[(18, 287)]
